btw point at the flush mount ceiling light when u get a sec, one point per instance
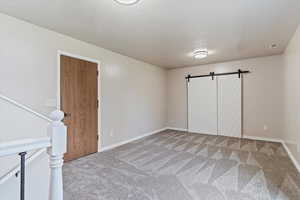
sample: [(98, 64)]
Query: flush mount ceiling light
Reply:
[(127, 2), (273, 46), (200, 53)]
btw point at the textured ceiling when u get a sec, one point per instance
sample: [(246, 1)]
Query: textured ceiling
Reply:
[(165, 32)]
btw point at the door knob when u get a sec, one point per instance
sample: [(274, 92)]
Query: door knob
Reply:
[(67, 114)]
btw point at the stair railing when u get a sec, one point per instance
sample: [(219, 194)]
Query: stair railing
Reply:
[(15, 171), (23, 107), (55, 143)]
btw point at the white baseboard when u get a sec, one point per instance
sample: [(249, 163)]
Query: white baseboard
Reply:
[(263, 139), (297, 165), (130, 140), (176, 129)]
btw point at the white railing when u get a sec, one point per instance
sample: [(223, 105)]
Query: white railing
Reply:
[(15, 171), (55, 143), (57, 131), (23, 107), (25, 145)]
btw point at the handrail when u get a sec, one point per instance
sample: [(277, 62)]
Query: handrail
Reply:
[(16, 170), (56, 144), (15, 147), (26, 108)]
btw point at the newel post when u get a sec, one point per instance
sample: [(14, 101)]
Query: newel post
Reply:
[(57, 131)]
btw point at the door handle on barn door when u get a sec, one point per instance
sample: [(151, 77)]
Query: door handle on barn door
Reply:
[(67, 115)]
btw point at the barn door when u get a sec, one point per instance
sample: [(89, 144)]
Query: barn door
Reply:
[(202, 105), (230, 106), (215, 105)]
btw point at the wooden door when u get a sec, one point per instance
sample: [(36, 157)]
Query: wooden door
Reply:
[(79, 102)]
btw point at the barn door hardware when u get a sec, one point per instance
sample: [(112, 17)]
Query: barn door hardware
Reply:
[(240, 73), (213, 74)]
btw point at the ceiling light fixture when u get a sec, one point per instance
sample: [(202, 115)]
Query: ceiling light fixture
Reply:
[(273, 46), (127, 2), (200, 53)]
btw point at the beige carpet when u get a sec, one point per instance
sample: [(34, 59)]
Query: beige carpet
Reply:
[(176, 165)]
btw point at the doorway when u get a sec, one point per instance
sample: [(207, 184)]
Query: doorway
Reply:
[(79, 102)]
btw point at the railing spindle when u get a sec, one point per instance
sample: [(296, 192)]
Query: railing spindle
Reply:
[(22, 177)]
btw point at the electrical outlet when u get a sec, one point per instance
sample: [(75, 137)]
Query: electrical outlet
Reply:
[(266, 127)]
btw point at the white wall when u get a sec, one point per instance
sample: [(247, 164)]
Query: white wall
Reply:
[(262, 94), (132, 100), (292, 95)]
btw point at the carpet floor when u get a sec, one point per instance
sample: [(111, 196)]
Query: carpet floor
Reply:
[(174, 165)]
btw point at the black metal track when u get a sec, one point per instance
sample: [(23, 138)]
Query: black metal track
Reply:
[(213, 74)]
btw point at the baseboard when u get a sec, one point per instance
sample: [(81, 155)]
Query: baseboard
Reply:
[(130, 140), (263, 139), (297, 165), (176, 129)]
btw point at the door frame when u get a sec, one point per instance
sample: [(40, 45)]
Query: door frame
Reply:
[(58, 95)]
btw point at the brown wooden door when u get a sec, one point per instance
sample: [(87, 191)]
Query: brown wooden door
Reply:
[(79, 101)]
